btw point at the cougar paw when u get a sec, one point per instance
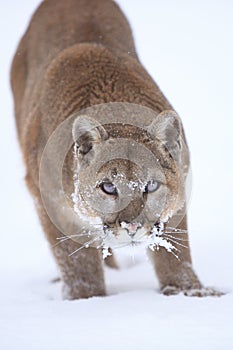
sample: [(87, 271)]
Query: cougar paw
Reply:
[(170, 290), (203, 292), (192, 292)]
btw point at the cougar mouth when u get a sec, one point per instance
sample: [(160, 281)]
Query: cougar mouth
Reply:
[(135, 234), (127, 234)]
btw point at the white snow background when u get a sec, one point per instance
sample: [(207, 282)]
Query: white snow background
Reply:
[(187, 48)]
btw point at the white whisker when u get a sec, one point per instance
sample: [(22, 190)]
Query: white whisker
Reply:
[(177, 256), (89, 233), (174, 230), (85, 245), (175, 233), (174, 241), (176, 238), (65, 238)]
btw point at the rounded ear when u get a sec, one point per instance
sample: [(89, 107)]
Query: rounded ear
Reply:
[(167, 128), (87, 132)]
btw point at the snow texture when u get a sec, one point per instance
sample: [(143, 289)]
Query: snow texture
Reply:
[(187, 48)]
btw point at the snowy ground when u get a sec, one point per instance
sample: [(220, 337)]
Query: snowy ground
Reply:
[(187, 47)]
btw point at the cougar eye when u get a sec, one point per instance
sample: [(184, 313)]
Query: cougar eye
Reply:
[(152, 186), (108, 188)]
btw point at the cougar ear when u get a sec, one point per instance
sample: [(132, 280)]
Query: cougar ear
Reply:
[(167, 128), (87, 132)]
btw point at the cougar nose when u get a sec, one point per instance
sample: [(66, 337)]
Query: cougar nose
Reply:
[(131, 227)]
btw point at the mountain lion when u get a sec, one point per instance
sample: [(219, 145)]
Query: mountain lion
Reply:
[(77, 58)]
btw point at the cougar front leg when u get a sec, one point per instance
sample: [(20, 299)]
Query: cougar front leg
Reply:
[(176, 274), (82, 272)]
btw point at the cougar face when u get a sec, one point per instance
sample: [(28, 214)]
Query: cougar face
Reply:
[(122, 195)]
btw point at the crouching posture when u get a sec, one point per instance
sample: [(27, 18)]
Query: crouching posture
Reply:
[(124, 176)]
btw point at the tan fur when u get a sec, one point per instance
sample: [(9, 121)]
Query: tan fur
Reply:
[(75, 54)]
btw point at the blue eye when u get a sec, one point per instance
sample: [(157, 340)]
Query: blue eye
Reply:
[(108, 188), (152, 186)]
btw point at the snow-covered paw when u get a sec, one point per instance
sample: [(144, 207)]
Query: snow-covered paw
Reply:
[(203, 292), (194, 292), (170, 290)]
